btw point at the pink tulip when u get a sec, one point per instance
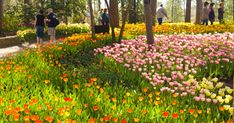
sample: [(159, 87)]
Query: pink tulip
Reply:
[(197, 99)]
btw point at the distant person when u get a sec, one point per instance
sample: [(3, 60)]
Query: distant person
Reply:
[(105, 18), (220, 13), (211, 13), (51, 24), (205, 13), (161, 12), (100, 17), (39, 25)]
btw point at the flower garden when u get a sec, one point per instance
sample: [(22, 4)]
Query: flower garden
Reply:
[(186, 76)]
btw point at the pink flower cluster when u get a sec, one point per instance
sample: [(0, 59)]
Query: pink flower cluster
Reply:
[(172, 57)]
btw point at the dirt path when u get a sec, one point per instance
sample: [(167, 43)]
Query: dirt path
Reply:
[(4, 52)]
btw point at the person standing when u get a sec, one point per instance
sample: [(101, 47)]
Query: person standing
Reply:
[(100, 16), (105, 18), (220, 13), (205, 13), (211, 14), (51, 24), (161, 12), (39, 25)]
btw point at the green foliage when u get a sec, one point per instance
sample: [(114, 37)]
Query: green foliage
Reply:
[(26, 35), (11, 23), (174, 10), (12, 18), (64, 9), (70, 29), (62, 30)]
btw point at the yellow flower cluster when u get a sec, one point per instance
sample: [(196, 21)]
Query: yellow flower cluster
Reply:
[(216, 90), (79, 38), (171, 28)]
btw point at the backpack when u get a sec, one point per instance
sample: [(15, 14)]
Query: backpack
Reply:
[(56, 22)]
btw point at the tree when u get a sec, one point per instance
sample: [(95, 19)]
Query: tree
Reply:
[(132, 18), (91, 18), (153, 9), (125, 11), (188, 11), (1, 15), (114, 12), (148, 21), (198, 11), (111, 24), (175, 10)]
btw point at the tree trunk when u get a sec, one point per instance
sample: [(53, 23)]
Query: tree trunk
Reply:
[(111, 24), (148, 21), (122, 9), (198, 11), (27, 3), (92, 19), (1, 16), (132, 18), (99, 5), (172, 11), (124, 15), (188, 11), (135, 10), (153, 9), (114, 12)]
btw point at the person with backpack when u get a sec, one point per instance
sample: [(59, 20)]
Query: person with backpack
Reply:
[(52, 22), (39, 25)]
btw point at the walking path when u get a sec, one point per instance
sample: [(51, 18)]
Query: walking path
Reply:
[(14, 49)]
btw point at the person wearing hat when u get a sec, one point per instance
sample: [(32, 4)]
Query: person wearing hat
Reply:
[(51, 26), (161, 12)]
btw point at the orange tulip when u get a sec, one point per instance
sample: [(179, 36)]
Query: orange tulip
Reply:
[(115, 119), (123, 121), (8, 112), (95, 108), (165, 114), (175, 115), (49, 119), (129, 110), (191, 111)]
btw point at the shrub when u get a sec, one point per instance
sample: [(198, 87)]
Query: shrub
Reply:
[(70, 29), (26, 35), (62, 30)]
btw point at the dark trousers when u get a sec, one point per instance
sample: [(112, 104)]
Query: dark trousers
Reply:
[(160, 20), (221, 21), (205, 21), (211, 22)]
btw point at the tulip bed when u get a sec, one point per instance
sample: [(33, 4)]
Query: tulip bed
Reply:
[(171, 28), (131, 82)]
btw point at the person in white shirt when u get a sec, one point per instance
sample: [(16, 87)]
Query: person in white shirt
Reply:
[(161, 12)]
